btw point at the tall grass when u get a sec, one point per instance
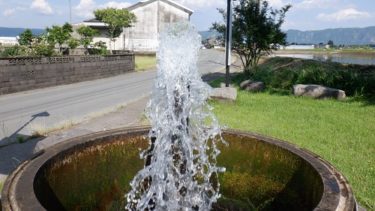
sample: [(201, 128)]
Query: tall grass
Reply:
[(283, 73)]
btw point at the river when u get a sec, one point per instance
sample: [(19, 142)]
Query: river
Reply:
[(346, 58)]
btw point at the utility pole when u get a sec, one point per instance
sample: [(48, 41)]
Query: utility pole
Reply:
[(228, 43)]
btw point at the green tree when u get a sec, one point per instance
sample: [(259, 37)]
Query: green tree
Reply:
[(87, 35), (116, 20), (73, 43), (59, 35), (26, 37), (256, 30), (330, 43)]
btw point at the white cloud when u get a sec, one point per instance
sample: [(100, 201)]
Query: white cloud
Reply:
[(114, 4), (12, 11), (42, 6), (86, 8), (202, 3), (343, 15), (313, 4), (9, 12)]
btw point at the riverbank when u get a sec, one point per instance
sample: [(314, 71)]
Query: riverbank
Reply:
[(280, 74), (323, 51)]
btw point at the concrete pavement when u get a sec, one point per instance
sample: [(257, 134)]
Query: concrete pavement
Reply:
[(43, 110), (125, 97)]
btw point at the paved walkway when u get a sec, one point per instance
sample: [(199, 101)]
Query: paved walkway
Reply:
[(24, 112), (130, 115)]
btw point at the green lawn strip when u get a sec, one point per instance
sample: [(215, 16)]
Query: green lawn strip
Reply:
[(340, 132), (145, 62)]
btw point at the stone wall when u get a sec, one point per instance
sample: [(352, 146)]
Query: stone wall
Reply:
[(21, 74)]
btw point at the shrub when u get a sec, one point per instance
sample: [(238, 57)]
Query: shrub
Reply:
[(42, 49), (100, 49), (73, 43), (14, 51)]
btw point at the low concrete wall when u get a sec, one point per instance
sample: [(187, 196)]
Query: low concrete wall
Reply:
[(21, 74)]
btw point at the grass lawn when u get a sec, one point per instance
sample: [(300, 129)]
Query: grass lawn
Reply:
[(341, 132), (145, 62)]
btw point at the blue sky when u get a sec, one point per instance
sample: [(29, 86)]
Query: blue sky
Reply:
[(304, 15)]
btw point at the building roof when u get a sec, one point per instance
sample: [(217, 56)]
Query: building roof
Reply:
[(93, 23), (173, 3), (93, 20)]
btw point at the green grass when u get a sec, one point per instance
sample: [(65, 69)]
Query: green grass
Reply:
[(145, 62), (340, 132), (1, 186)]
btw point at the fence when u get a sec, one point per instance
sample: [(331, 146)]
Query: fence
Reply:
[(26, 73)]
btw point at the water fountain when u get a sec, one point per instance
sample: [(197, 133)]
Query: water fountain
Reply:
[(180, 155), (180, 171)]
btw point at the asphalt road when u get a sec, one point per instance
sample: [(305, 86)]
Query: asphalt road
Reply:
[(22, 113)]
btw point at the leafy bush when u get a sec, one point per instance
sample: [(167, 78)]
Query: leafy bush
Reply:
[(73, 43), (100, 49), (43, 49), (14, 51)]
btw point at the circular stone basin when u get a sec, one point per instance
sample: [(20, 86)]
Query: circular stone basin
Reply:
[(93, 172)]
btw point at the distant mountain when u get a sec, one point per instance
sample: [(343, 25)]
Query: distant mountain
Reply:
[(339, 36), (13, 32)]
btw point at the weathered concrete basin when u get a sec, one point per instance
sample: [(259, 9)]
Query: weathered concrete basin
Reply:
[(93, 173)]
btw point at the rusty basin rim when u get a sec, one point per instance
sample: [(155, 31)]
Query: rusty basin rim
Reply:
[(18, 190)]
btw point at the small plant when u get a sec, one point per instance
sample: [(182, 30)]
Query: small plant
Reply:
[(21, 139), (100, 48)]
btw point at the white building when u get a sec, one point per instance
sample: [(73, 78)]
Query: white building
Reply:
[(8, 41), (152, 16)]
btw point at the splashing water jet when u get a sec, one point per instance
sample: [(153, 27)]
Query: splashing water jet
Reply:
[(180, 170)]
